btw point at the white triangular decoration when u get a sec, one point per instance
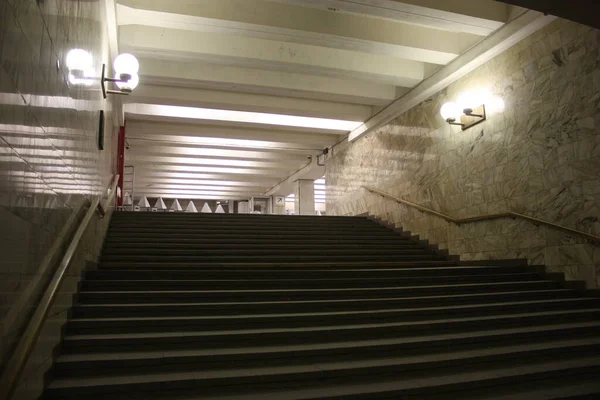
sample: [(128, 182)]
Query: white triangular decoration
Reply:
[(144, 202), (36, 202), (176, 206), (206, 208), (127, 200), (191, 208), (219, 210), (160, 204), (53, 202), (21, 202)]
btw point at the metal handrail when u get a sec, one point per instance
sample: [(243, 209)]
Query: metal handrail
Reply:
[(459, 221), (15, 365)]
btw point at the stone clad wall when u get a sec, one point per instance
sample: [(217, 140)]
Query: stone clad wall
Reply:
[(541, 157), (50, 161)]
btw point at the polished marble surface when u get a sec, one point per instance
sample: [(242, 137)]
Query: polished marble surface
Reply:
[(540, 156), (49, 159)]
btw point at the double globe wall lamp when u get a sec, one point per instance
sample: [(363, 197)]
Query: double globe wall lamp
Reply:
[(470, 108), (81, 72)]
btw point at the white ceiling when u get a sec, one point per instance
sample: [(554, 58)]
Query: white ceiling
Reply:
[(236, 95)]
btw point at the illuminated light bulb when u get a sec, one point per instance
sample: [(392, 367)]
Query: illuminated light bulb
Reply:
[(450, 110), (79, 60), (126, 64), (130, 84), (496, 104), (467, 100), (483, 96)]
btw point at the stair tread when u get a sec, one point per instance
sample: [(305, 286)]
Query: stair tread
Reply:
[(325, 328), (318, 290), (334, 313), (66, 358), (407, 299), (323, 280), (295, 264), (322, 367), (341, 270)]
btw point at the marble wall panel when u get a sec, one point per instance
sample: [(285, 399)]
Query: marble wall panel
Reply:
[(538, 156), (49, 157)]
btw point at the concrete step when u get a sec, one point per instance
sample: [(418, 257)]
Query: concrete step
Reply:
[(240, 337), (117, 252), (132, 324), (251, 226), (286, 273), (257, 234), (276, 264), (295, 283), (291, 246), (110, 363), (83, 310), (316, 270), (281, 241), (240, 257), (403, 373), (261, 218), (186, 296)]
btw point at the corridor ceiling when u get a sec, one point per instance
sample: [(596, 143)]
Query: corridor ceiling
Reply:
[(236, 95)]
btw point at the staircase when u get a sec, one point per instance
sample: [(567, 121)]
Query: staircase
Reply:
[(213, 306)]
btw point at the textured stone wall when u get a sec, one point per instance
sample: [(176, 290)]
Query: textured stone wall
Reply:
[(49, 159), (540, 156)]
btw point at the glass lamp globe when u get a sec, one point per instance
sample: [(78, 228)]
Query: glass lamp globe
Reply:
[(130, 84), (496, 104), (126, 64), (79, 60), (450, 110), (467, 100)]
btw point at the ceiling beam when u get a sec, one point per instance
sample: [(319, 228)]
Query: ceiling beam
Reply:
[(477, 17), (203, 183), (249, 173), (240, 119), (178, 150), (268, 54), (191, 177), (276, 83), (191, 97), (211, 135), (388, 46), (162, 187), (260, 15), (283, 165)]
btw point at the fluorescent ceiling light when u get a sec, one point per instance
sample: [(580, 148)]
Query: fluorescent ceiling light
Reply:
[(159, 187), (224, 142), (240, 116), (161, 181)]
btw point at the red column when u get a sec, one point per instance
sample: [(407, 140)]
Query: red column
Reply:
[(121, 163)]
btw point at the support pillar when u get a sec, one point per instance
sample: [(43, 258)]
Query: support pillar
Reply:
[(304, 197), (121, 164)]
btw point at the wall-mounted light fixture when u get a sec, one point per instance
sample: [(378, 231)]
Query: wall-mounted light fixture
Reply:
[(81, 72), (126, 78), (81, 67), (470, 108)]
